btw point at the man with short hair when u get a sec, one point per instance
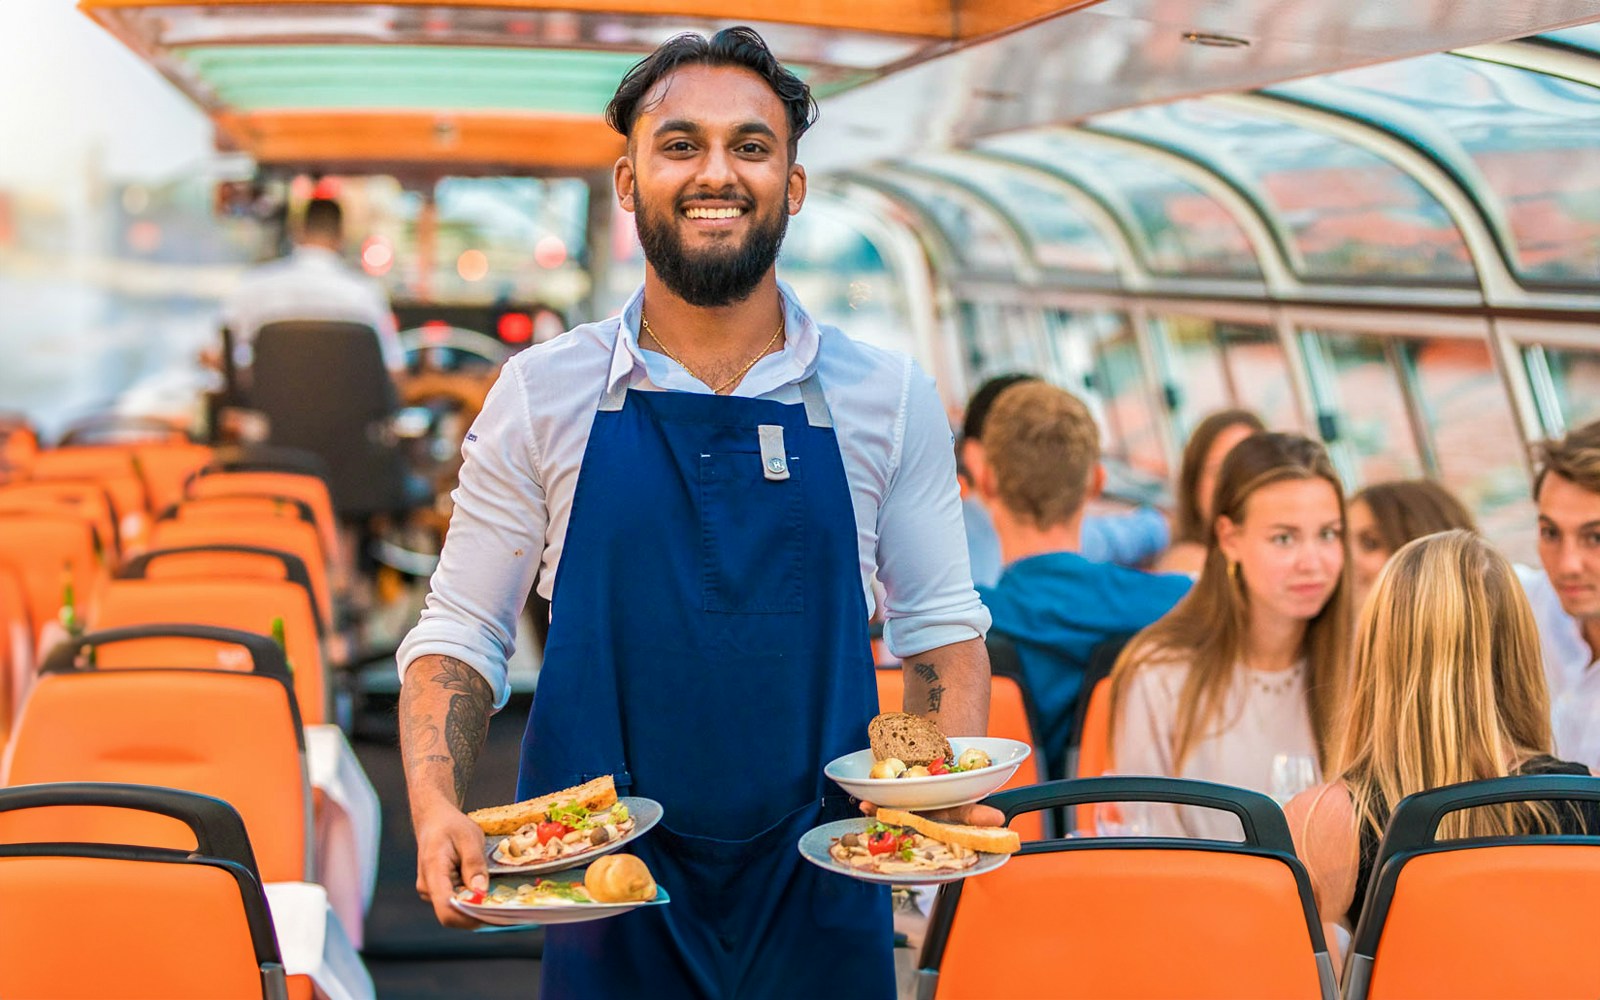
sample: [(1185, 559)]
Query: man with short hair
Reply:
[(1566, 596), (1131, 539), (1042, 464), (706, 486), (311, 283)]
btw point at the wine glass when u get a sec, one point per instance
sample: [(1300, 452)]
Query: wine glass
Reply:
[(1292, 773)]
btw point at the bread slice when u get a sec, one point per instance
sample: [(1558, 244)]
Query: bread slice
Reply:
[(988, 839), (601, 793), (911, 738)]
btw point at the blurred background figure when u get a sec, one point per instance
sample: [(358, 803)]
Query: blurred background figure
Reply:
[(1210, 443), (1385, 516)]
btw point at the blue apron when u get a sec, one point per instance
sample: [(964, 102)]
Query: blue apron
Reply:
[(708, 647)]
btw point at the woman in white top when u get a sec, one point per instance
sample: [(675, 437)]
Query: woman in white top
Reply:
[(1250, 665)]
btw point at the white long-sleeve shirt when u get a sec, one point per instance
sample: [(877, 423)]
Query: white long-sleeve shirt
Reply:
[(310, 283), (1570, 668), (523, 454)]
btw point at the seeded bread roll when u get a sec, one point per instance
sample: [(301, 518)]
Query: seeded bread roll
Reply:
[(911, 738), (601, 793), (989, 839)]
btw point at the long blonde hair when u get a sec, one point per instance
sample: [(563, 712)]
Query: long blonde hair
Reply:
[(1207, 629), (1447, 686)]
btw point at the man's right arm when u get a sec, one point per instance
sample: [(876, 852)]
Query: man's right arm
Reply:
[(444, 717)]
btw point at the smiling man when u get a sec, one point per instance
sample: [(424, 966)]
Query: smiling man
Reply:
[(705, 487), (1566, 596)]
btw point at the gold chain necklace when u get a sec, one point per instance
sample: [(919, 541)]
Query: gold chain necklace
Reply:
[(715, 389)]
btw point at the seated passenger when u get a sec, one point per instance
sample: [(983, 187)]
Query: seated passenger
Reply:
[(1249, 666), (1197, 481), (1446, 688), (1131, 539), (1043, 463), (1385, 516), (1566, 596)]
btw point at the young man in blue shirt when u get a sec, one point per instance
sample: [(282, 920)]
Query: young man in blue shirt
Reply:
[(1042, 464)]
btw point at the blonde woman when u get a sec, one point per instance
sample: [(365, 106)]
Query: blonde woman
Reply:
[(1446, 687), (1249, 666)]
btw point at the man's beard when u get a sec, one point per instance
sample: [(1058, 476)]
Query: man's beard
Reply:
[(709, 278)]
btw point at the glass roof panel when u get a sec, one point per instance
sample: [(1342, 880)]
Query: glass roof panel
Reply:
[(257, 77), (1585, 36), (975, 234), (1348, 212), (1533, 139), (1062, 238), (1178, 228)]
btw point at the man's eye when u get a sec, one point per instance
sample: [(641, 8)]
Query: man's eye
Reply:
[(1592, 539), (1549, 535)]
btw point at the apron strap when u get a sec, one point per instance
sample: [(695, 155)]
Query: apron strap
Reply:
[(817, 414)]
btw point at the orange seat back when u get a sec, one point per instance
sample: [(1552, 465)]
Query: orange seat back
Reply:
[(308, 489), (293, 537), (178, 728), (167, 467), (232, 603), (87, 922), (113, 465), (16, 648), (86, 500), (1509, 918), (1170, 918), (46, 551), (1094, 750)]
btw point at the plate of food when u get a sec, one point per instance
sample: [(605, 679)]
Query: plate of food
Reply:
[(911, 765), (902, 848), (612, 885), (564, 829)]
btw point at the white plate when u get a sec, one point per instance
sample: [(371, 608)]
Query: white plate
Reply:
[(937, 791), (645, 812), (557, 913), (814, 848)]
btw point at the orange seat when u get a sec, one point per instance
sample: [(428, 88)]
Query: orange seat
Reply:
[(1007, 718), (1169, 918), (84, 499), (167, 467), (281, 534), (232, 603), (236, 736), (131, 921), (16, 648), (1509, 918), (111, 466), (310, 490), (1094, 748), (48, 551)]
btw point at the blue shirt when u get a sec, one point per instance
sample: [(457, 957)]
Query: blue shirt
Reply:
[(1056, 608), (1130, 539)]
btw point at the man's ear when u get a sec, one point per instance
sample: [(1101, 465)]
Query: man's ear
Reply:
[(622, 178), (983, 479), (1097, 481), (797, 188)]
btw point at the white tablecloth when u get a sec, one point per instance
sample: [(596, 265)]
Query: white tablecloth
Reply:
[(348, 823), (312, 942)]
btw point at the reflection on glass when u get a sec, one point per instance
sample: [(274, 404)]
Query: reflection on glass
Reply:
[(1348, 212), (1576, 375), (1474, 437), (1183, 230), (978, 239), (1197, 371), (1534, 139), (1131, 430), (1371, 407), (1061, 237), (1259, 373)]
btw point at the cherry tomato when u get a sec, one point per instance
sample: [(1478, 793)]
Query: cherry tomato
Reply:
[(551, 831), (475, 896), (938, 767), (887, 842)]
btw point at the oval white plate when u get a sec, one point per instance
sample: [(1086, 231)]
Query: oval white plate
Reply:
[(646, 813), (555, 913), (937, 791), (815, 843)]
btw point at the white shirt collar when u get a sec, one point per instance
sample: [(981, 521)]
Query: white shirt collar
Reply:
[(801, 340)]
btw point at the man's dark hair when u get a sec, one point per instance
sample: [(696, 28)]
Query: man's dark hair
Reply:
[(324, 218), (739, 46), (982, 402)]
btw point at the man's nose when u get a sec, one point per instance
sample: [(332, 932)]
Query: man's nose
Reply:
[(716, 169), (1569, 558)]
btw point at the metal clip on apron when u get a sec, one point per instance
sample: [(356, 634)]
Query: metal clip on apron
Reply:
[(708, 646)]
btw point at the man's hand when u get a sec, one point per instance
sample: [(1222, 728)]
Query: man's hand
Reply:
[(972, 814), (444, 718), (449, 855)]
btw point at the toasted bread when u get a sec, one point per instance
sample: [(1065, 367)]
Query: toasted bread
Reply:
[(601, 793), (988, 839), (910, 738)]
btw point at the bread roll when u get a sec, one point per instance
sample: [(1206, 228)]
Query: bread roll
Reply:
[(619, 878)]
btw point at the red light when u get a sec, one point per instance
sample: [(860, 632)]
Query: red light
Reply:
[(435, 332), (144, 236), (516, 328), (328, 187), (550, 252)]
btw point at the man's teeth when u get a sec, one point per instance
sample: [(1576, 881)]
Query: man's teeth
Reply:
[(713, 213)]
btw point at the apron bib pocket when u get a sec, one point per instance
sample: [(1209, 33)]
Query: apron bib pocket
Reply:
[(752, 532)]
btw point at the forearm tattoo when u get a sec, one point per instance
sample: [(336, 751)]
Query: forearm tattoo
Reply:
[(466, 724), (929, 675)]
